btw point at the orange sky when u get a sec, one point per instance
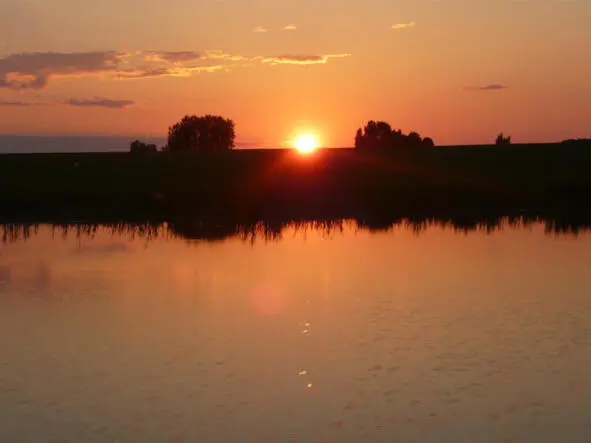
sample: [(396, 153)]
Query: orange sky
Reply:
[(459, 71)]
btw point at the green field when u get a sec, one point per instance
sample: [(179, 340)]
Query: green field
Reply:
[(268, 181)]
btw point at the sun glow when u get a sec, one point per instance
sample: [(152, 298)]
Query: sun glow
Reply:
[(306, 143)]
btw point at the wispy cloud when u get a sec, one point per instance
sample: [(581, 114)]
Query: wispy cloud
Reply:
[(221, 55), (163, 71), (404, 25), (295, 59), (34, 70), (99, 102), (18, 104), (144, 72), (289, 28), (171, 56), (259, 29), (300, 59), (493, 87)]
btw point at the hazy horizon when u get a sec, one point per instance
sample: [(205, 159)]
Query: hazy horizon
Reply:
[(27, 143)]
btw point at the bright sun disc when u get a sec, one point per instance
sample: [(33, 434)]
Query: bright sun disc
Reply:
[(306, 143)]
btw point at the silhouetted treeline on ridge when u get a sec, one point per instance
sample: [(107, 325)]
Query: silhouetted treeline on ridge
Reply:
[(380, 135), (215, 133)]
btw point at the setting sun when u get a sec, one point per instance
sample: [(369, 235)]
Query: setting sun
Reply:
[(306, 143)]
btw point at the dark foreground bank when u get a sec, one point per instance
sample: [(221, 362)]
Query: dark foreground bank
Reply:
[(266, 184)]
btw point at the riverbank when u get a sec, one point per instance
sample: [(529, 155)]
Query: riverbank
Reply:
[(255, 184)]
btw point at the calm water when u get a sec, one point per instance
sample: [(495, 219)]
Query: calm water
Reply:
[(344, 337)]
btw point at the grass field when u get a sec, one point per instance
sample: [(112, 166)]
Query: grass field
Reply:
[(275, 181)]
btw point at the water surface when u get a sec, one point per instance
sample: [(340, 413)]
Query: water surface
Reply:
[(318, 336)]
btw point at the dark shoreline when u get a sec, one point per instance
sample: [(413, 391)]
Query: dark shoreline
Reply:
[(550, 182)]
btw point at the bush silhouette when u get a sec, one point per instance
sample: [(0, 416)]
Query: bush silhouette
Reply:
[(502, 140), (137, 147), (207, 133)]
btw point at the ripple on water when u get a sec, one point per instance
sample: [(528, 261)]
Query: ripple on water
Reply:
[(351, 405), (336, 425), (582, 339)]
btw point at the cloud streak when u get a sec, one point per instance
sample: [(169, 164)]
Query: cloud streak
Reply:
[(32, 71), (301, 59), (162, 71), (99, 102), (171, 56), (289, 28), (221, 55), (18, 104), (259, 29), (493, 87), (404, 25)]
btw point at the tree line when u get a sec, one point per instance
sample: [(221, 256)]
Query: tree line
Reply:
[(216, 133), (381, 135)]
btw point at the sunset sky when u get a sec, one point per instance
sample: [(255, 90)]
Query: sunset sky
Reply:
[(459, 71)]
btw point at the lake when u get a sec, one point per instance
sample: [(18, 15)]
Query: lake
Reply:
[(312, 335)]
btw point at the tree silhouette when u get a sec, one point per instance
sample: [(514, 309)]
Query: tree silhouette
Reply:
[(381, 135), (502, 140), (207, 133), (384, 131), (399, 139)]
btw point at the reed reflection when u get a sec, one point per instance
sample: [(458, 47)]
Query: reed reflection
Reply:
[(211, 229)]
